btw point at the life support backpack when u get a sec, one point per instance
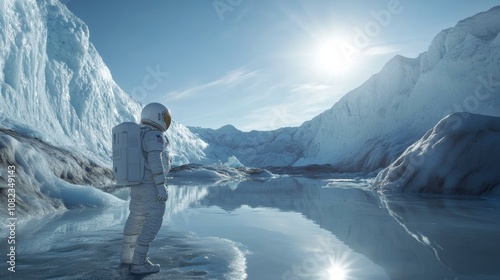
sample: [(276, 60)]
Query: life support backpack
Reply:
[(128, 159)]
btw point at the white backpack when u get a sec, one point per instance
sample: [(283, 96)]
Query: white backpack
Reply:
[(128, 159)]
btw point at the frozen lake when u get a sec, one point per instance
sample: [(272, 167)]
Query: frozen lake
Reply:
[(284, 228)]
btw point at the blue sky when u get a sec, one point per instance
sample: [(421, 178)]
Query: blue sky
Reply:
[(258, 64)]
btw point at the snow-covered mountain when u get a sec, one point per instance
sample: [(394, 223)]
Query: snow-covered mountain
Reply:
[(459, 155), (373, 124)]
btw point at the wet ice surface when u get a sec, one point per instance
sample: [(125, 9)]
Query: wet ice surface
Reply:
[(283, 228)]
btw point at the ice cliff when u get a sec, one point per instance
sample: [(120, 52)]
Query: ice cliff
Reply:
[(54, 85), (459, 155)]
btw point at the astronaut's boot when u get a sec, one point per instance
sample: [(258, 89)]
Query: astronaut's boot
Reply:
[(141, 263), (128, 247)]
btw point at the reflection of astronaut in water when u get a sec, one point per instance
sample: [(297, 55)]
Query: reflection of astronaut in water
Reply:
[(147, 202)]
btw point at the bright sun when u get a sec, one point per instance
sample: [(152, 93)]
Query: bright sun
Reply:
[(330, 58)]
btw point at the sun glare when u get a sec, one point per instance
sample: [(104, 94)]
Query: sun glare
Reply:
[(330, 58), (337, 273)]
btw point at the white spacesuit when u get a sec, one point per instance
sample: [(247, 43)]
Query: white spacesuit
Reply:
[(147, 202)]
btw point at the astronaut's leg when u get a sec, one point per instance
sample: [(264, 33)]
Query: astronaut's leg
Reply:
[(153, 220), (133, 225)]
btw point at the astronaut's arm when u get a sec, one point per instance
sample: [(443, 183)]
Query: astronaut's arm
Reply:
[(153, 147), (154, 160)]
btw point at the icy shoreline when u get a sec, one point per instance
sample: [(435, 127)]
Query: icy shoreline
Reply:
[(49, 178)]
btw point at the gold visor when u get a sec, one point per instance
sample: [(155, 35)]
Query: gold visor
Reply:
[(167, 118)]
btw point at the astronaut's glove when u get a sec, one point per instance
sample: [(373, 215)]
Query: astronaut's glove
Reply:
[(162, 195)]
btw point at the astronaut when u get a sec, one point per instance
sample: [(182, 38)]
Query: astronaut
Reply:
[(147, 199)]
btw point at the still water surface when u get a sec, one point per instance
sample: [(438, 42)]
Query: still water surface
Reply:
[(284, 228)]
